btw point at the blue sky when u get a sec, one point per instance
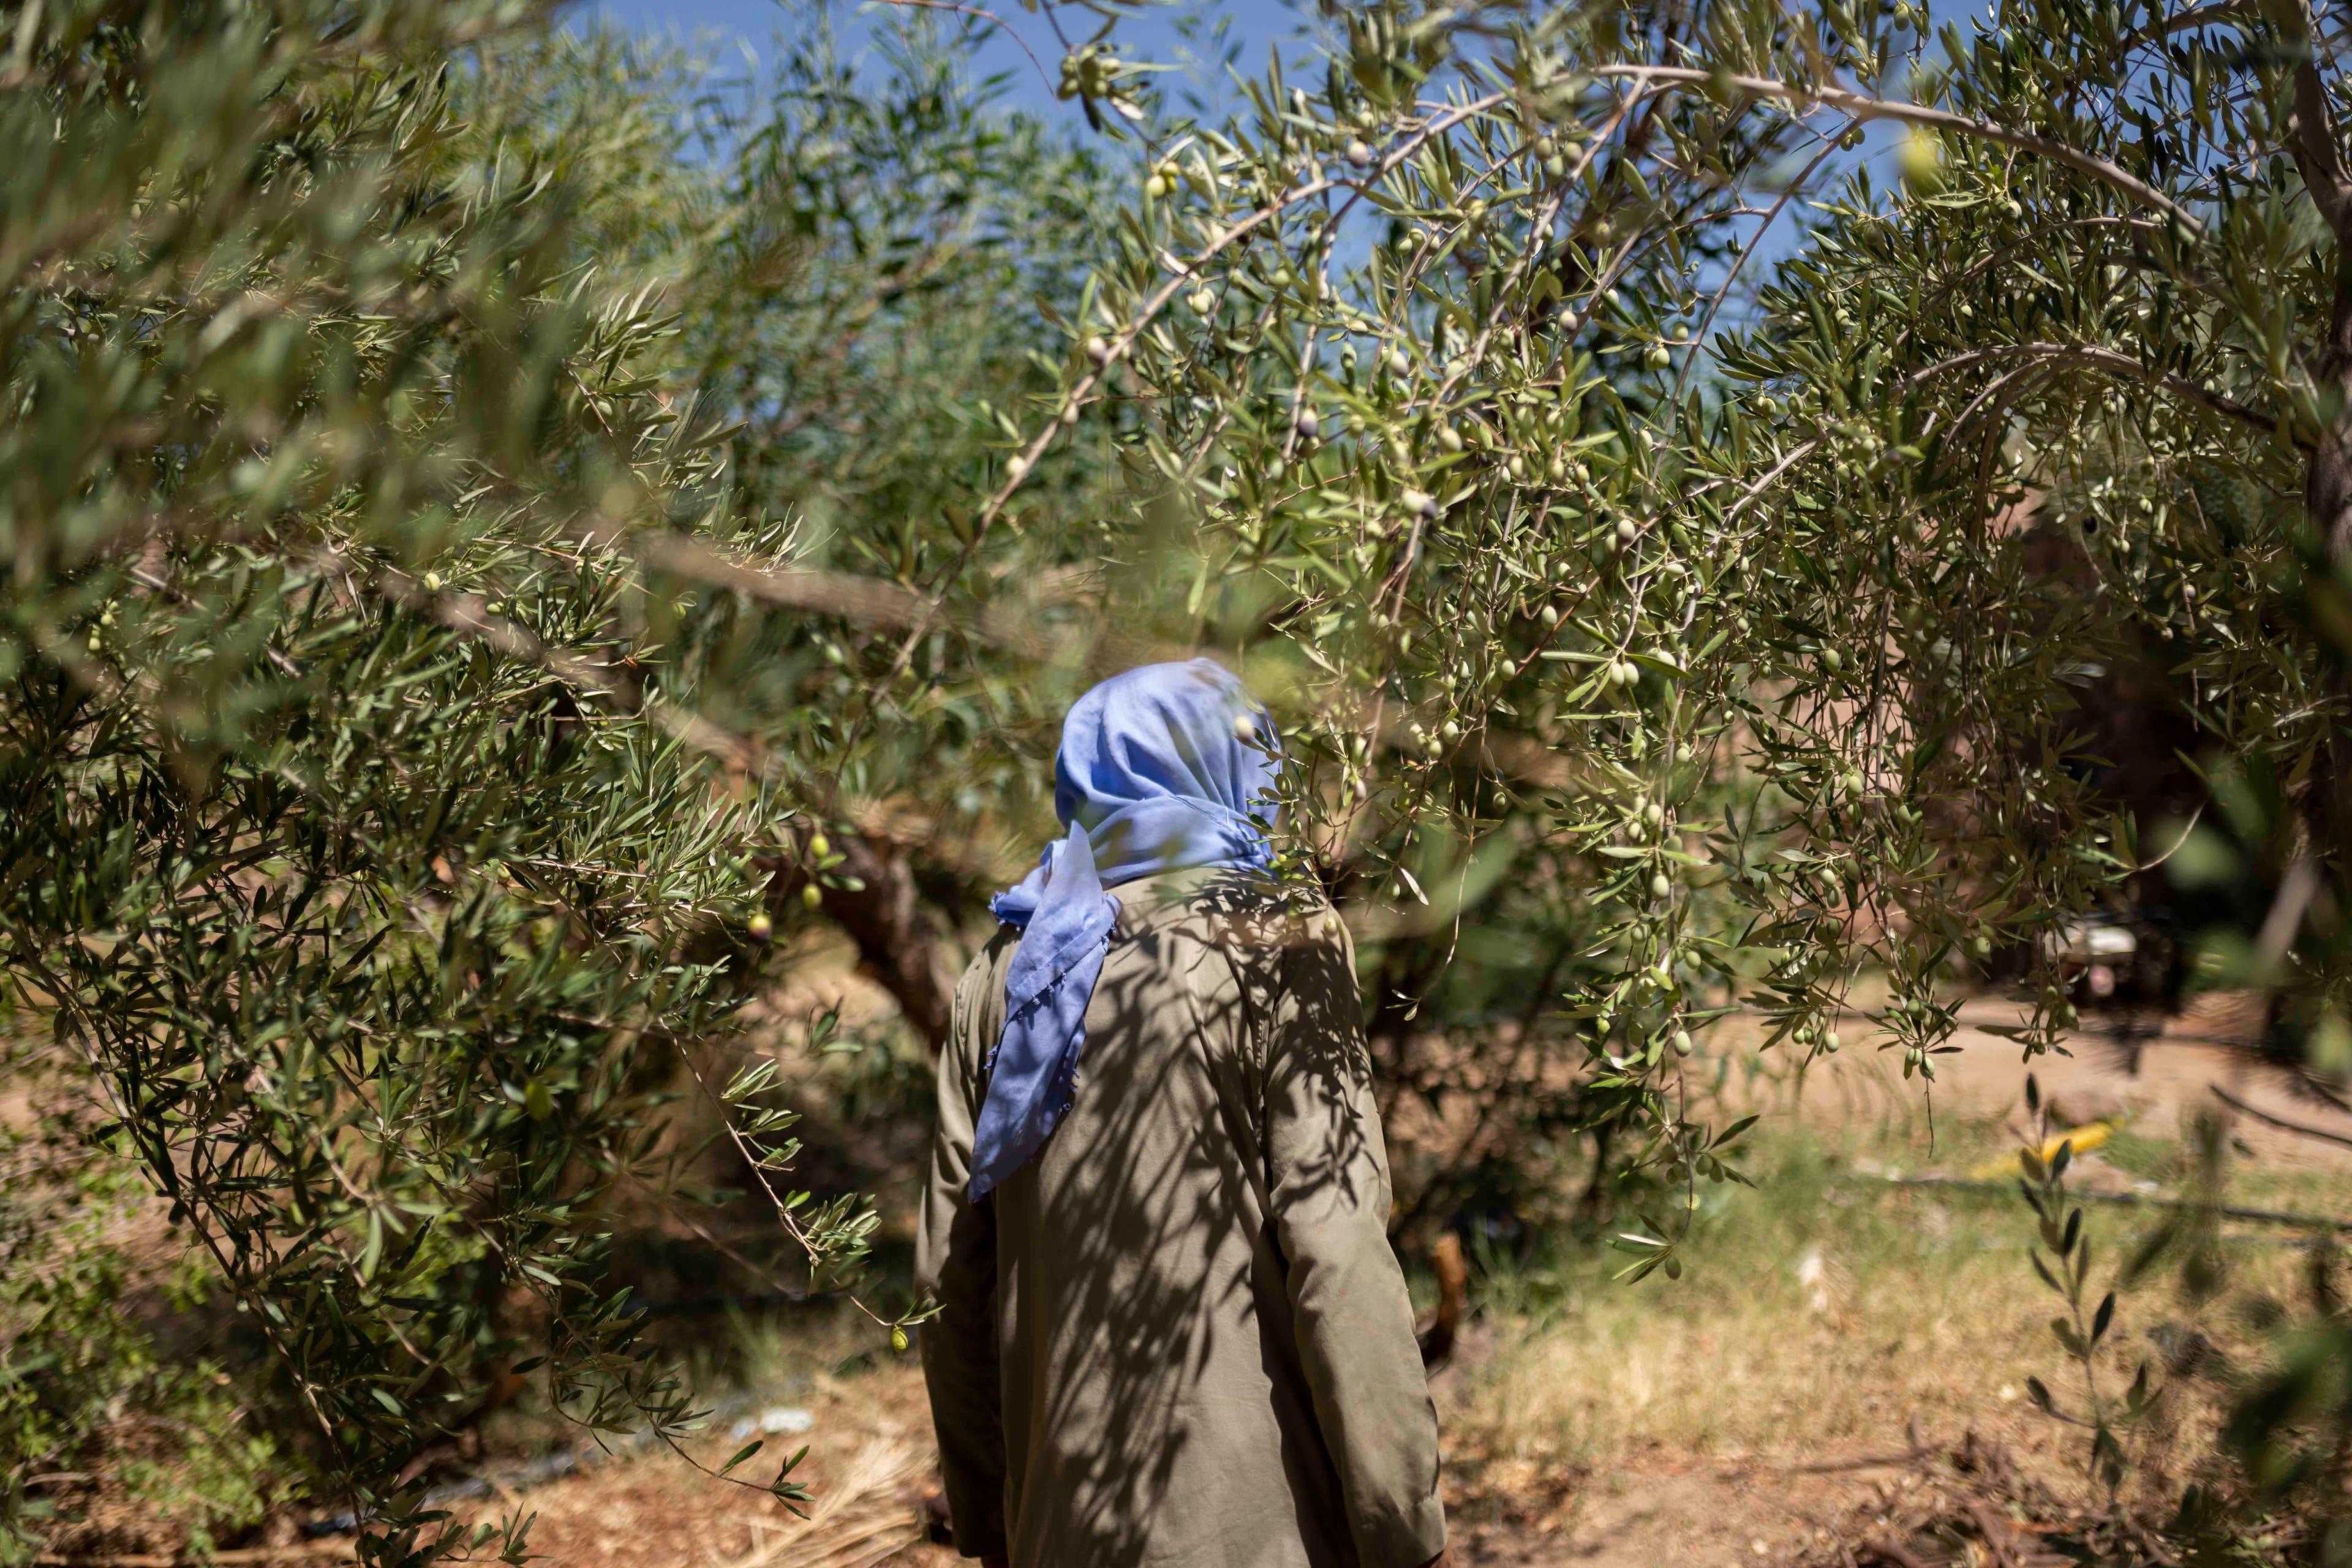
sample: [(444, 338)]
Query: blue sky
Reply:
[(1154, 34), (1247, 27), (1243, 29)]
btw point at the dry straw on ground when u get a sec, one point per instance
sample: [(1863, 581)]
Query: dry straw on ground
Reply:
[(867, 1515)]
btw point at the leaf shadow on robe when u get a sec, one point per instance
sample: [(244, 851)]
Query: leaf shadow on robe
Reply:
[(1156, 1401)]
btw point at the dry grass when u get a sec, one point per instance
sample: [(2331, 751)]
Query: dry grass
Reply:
[(1825, 1313), (861, 1519), (1815, 1311)]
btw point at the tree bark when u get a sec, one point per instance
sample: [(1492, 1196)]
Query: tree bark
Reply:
[(2327, 476), (2319, 158), (896, 944), (2315, 137)]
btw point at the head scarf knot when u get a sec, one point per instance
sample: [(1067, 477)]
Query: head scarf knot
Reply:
[(1160, 769)]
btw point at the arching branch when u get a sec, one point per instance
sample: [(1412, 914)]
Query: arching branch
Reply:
[(2104, 359), (1862, 107)]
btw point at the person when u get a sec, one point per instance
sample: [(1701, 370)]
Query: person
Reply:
[(1170, 1328)]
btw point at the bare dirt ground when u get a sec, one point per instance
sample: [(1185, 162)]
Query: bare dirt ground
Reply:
[(871, 1459), (871, 1462)]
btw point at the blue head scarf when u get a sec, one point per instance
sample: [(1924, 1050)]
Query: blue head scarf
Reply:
[(1159, 770)]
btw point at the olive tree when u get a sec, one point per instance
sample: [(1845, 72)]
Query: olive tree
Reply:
[(1723, 607), (362, 830), (2063, 426), (1403, 367), (2064, 415)]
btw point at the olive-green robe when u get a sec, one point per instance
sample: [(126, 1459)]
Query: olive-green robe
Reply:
[(1177, 1335)]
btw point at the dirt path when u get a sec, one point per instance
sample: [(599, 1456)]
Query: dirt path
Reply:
[(871, 1461), (871, 1457), (1667, 1514)]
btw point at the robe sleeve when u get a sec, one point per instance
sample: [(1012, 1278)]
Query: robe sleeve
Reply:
[(955, 1261), (1329, 1188)]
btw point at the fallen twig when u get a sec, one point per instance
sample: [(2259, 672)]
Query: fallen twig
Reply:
[(1994, 1532), (2227, 1211), (1835, 1466), (2281, 1122)]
